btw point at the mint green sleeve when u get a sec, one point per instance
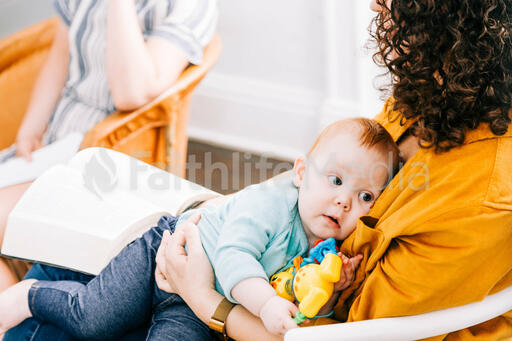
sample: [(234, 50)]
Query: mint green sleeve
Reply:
[(255, 220)]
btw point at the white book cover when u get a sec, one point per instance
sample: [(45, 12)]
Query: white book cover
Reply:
[(81, 214)]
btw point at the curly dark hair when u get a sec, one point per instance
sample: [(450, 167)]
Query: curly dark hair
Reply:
[(450, 63)]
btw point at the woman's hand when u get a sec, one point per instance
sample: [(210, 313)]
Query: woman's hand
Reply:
[(189, 274), (161, 270), (29, 139)]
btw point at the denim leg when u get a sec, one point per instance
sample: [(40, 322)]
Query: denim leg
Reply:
[(117, 300), (174, 320), (31, 329), (50, 273)]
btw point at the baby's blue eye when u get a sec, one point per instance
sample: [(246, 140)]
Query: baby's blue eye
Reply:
[(365, 196), (335, 180)]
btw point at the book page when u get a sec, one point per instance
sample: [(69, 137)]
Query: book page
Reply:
[(106, 172), (59, 198), (18, 170)]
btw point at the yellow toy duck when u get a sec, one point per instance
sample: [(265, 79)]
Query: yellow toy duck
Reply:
[(309, 283)]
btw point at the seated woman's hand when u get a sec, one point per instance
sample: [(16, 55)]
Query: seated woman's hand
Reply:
[(28, 140)]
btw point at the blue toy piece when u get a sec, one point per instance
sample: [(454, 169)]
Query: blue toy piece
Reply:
[(319, 251)]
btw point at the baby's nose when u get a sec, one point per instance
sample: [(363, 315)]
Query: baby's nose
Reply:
[(343, 202)]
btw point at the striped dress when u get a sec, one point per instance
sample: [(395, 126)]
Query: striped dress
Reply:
[(86, 99)]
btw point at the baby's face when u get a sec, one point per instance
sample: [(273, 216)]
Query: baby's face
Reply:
[(338, 183)]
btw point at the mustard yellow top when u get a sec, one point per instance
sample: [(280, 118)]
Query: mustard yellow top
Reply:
[(439, 236)]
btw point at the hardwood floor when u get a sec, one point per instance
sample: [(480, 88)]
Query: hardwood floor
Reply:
[(226, 171)]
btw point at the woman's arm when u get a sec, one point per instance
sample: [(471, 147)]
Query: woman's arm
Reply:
[(46, 94), (137, 71), (191, 276)]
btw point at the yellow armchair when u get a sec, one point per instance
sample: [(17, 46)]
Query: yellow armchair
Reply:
[(155, 133)]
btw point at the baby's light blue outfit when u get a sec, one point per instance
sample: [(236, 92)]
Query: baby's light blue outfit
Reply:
[(256, 233)]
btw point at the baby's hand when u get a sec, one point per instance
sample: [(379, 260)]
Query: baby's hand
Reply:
[(347, 271), (277, 314)]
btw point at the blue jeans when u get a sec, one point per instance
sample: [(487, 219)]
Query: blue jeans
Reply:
[(123, 297)]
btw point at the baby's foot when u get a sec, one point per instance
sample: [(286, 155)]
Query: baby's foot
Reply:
[(14, 305)]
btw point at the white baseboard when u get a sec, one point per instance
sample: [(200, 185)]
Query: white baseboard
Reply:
[(261, 117), (238, 143)]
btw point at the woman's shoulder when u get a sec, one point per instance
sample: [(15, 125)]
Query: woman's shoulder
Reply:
[(499, 190), (487, 158), (479, 172), (465, 181)]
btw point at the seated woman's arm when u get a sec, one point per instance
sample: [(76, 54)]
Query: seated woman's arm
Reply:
[(140, 65), (45, 95)]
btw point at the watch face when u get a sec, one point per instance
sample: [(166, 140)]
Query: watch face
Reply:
[(216, 325)]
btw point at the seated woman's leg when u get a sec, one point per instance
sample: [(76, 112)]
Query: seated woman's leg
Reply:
[(9, 196)]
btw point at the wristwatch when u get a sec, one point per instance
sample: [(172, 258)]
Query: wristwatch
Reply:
[(218, 319)]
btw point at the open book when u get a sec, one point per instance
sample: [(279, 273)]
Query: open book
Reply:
[(80, 215)]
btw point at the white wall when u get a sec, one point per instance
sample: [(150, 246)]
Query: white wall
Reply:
[(17, 14), (288, 68)]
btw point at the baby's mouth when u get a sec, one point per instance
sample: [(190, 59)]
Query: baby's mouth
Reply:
[(333, 219)]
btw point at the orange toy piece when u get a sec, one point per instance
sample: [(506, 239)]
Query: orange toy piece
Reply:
[(282, 284)]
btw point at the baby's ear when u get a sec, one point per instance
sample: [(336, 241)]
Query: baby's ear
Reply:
[(299, 169)]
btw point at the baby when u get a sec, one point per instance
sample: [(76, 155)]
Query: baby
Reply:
[(254, 234)]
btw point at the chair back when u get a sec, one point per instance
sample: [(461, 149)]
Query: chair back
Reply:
[(22, 55), (156, 133)]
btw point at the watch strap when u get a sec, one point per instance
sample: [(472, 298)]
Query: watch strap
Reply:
[(218, 319)]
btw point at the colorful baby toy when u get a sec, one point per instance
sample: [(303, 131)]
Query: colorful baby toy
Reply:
[(311, 280)]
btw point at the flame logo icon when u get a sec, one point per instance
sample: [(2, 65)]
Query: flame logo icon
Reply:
[(100, 173)]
